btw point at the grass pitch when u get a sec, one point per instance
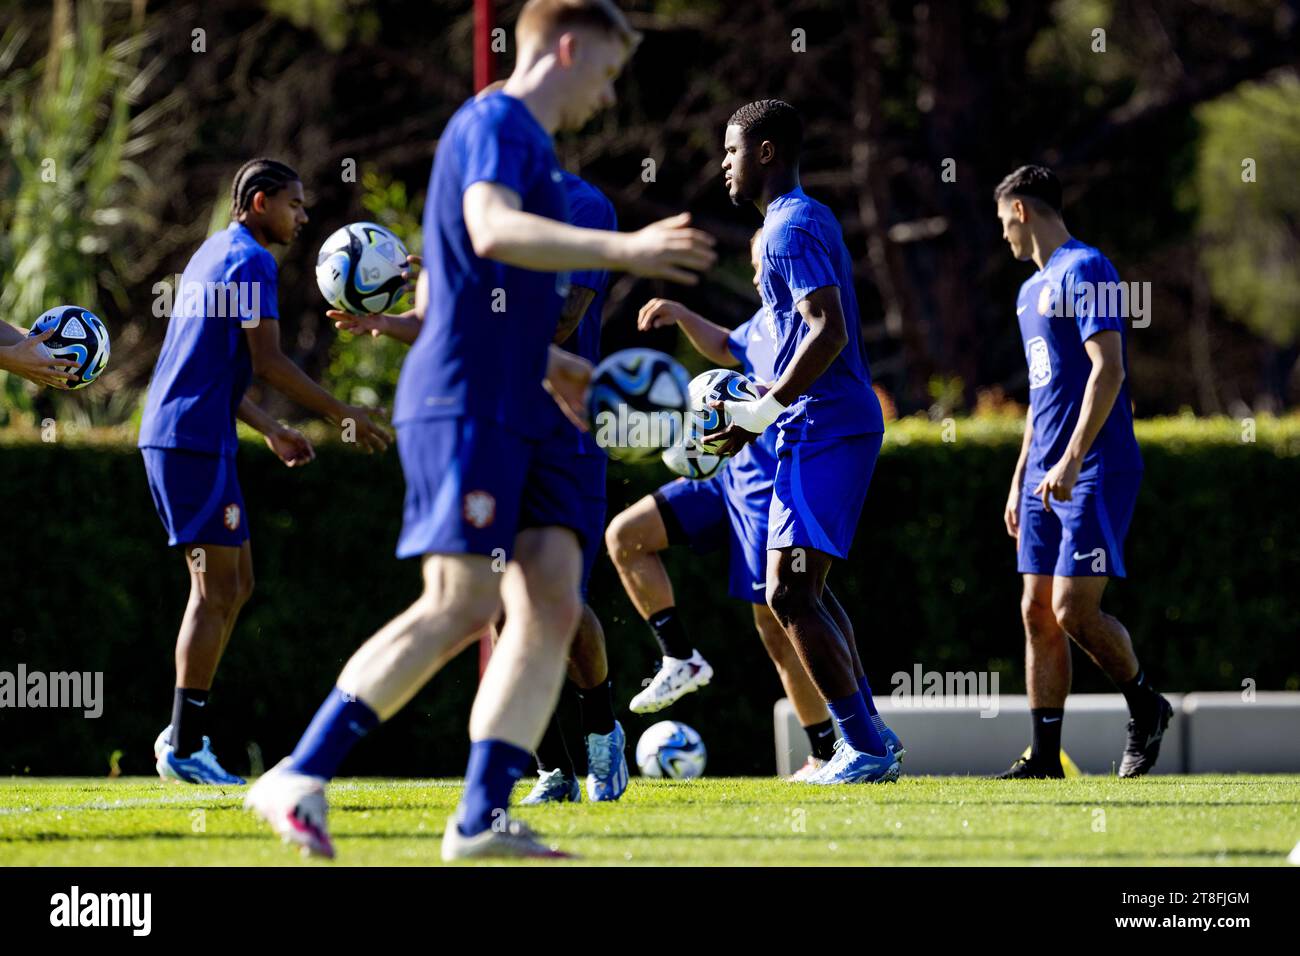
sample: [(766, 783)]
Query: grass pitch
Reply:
[(1169, 820)]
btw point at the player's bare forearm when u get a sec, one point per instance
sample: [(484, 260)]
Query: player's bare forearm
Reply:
[(9, 335), (575, 307), (277, 370), (252, 415), (1106, 352), (503, 232), (708, 338), (404, 327), (1018, 477), (826, 338)]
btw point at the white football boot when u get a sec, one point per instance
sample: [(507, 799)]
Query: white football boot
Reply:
[(676, 679), (294, 805), (514, 839)]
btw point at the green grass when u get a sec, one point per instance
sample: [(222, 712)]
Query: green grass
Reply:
[(1194, 820)]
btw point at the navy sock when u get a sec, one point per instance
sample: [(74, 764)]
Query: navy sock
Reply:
[(850, 715), (670, 634), (597, 707), (1139, 695), (341, 721), (494, 766), (189, 720), (1047, 733), (821, 738), (865, 688)]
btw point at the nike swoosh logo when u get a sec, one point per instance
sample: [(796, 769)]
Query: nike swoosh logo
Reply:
[(1051, 720), (196, 703), (1021, 309), (1081, 557), (759, 587)]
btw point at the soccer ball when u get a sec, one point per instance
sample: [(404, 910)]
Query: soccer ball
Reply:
[(637, 402), (670, 749), (359, 269), (81, 337), (689, 460), (716, 385)]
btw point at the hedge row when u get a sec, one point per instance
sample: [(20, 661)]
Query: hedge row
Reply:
[(88, 585)]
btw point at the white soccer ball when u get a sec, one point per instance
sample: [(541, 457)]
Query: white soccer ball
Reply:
[(671, 749), (689, 460), (715, 385), (359, 269), (80, 336), (637, 402)]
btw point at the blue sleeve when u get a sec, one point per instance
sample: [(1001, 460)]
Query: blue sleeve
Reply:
[(592, 214), (492, 153), (262, 270), (1098, 298), (802, 261), (738, 342)]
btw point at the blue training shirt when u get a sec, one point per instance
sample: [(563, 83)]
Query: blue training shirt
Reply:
[(205, 367), (1067, 302), (747, 479), (481, 351), (803, 250), (590, 209)]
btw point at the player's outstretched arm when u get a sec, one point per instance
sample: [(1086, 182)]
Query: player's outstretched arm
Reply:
[(403, 326), (708, 338), (290, 445), (276, 369), (1106, 352), (22, 355), (500, 230)]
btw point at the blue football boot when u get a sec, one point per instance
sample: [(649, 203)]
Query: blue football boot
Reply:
[(606, 765), (199, 767), (852, 766), (553, 786)]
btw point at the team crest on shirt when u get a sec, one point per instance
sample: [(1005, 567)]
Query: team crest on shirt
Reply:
[(230, 517), (1047, 299), (1040, 362), (480, 508)]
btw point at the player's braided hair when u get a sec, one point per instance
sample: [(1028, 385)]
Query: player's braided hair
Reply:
[(1031, 182), (258, 175), (773, 120)]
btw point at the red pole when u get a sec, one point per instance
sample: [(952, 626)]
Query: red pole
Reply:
[(483, 75)]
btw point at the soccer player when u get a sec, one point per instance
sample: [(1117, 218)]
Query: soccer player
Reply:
[(828, 421), (224, 329), (20, 355), (1076, 481), (728, 509), (568, 448), (471, 417)]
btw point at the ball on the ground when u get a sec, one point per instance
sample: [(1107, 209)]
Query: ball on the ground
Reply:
[(359, 269), (80, 336), (637, 402), (671, 749), (716, 385)]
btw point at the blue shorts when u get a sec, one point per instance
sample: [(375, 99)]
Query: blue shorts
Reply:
[(820, 488), (700, 514), (473, 484), (1082, 537), (197, 496)]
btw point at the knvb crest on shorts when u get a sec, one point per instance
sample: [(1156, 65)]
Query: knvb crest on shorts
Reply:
[(1040, 362), (230, 517), (479, 508)]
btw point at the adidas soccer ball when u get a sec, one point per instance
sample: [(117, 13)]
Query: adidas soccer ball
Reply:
[(637, 402), (359, 269), (670, 749), (689, 460), (80, 336), (716, 385)]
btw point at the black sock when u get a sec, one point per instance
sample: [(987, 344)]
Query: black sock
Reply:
[(822, 738), (189, 720), (596, 705), (1139, 695), (1047, 733), (552, 753), (669, 633)]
